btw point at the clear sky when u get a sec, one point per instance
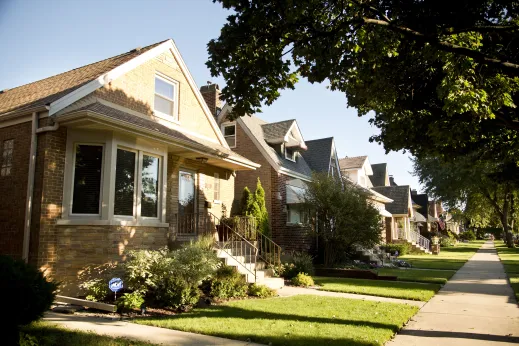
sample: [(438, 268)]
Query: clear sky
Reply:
[(43, 38)]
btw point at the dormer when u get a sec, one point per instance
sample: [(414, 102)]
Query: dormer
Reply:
[(285, 137), (357, 169)]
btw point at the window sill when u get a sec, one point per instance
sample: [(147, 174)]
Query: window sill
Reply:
[(217, 201), (90, 222), (167, 117)]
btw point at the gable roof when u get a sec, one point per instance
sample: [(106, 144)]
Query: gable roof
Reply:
[(45, 91), (318, 154), (255, 129), (379, 174), (422, 200), (399, 195), (273, 132), (352, 162)]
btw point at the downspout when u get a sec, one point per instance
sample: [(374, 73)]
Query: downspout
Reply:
[(30, 182)]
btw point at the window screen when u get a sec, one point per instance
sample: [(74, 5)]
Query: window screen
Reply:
[(87, 179), (124, 182), (164, 97)]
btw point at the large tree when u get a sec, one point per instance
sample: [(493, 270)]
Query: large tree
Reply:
[(442, 79), (471, 184)]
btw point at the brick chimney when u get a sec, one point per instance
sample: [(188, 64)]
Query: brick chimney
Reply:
[(392, 181), (211, 94), (414, 193)]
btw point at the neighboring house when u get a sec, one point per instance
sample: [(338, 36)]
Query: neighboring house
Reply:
[(287, 162), (401, 210), (421, 212), (359, 171), (117, 155)]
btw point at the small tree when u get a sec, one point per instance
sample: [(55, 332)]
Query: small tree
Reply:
[(247, 201), (263, 216), (344, 217)]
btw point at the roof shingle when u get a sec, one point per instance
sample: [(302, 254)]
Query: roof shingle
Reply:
[(318, 154), (273, 131), (399, 195), (352, 162), (379, 174)]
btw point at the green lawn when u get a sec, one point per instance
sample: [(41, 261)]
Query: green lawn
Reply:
[(48, 334), (381, 288), (451, 258), (299, 320), (510, 260), (428, 276)]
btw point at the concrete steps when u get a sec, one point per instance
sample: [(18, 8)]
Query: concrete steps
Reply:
[(253, 272)]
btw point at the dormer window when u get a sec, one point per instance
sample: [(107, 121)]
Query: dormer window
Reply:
[(290, 154), (229, 133), (166, 98)]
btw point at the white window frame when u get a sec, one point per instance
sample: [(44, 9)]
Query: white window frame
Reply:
[(293, 158), (301, 214), (111, 142), (216, 182), (173, 118), (74, 174), (224, 126)]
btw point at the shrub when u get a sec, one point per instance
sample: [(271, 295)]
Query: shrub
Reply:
[(447, 241), (468, 235), (129, 301), (176, 293), (302, 280), (260, 291), (301, 263), (97, 289), (26, 295), (227, 283), (403, 249)]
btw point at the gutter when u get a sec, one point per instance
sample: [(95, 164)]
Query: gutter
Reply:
[(30, 182)]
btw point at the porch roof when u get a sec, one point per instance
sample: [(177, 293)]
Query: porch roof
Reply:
[(184, 144)]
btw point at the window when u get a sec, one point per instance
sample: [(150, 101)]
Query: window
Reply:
[(296, 214), (127, 164), (216, 187), (87, 179), (290, 154), (7, 157), (166, 97), (229, 133)]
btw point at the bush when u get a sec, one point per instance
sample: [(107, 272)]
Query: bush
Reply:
[(26, 295), (447, 241), (227, 283), (129, 301), (301, 263), (260, 291), (468, 235), (97, 289), (176, 293), (403, 249), (302, 280)]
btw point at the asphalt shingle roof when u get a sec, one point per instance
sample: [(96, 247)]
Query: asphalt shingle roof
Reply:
[(399, 195), (48, 90), (273, 131), (379, 174), (255, 126), (352, 162), (318, 154), (423, 201)]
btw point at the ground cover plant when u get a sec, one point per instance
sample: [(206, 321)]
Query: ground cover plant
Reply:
[(299, 320), (418, 275), (510, 259), (451, 258), (381, 288)]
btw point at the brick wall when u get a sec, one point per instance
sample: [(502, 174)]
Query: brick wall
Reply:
[(246, 147), (211, 94), (290, 237), (13, 189)]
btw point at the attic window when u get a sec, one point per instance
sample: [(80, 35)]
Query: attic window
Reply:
[(290, 154), (166, 98), (229, 133)]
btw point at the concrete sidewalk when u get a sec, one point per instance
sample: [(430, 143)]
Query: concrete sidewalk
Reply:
[(154, 335), (476, 307)]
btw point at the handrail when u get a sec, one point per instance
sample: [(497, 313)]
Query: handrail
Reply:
[(269, 251), (415, 237), (235, 244)]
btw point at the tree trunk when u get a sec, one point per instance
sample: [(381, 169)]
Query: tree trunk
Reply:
[(504, 221)]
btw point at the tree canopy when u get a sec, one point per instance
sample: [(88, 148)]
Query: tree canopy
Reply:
[(441, 79)]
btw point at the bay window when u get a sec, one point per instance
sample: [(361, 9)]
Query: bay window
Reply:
[(88, 161)]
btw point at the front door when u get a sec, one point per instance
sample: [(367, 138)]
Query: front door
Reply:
[(186, 203)]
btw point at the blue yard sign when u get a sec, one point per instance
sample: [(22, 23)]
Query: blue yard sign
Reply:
[(115, 285)]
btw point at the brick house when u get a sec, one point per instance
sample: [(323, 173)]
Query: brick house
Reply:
[(109, 157), (287, 162)]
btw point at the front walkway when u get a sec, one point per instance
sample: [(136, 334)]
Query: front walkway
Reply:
[(476, 307), (154, 335)]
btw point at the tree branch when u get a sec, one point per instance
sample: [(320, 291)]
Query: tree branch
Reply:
[(446, 46), (481, 29)]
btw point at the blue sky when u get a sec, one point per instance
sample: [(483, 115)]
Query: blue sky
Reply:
[(42, 38)]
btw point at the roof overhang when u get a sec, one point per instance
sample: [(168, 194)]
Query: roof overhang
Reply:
[(87, 119), (379, 197)]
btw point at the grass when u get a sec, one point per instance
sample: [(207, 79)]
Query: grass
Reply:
[(380, 288), (510, 259), (451, 258), (427, 276), (48, 334), (299, 320)]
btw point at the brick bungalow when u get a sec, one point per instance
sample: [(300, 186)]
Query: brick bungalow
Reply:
[(287, 162), (109, 157)]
